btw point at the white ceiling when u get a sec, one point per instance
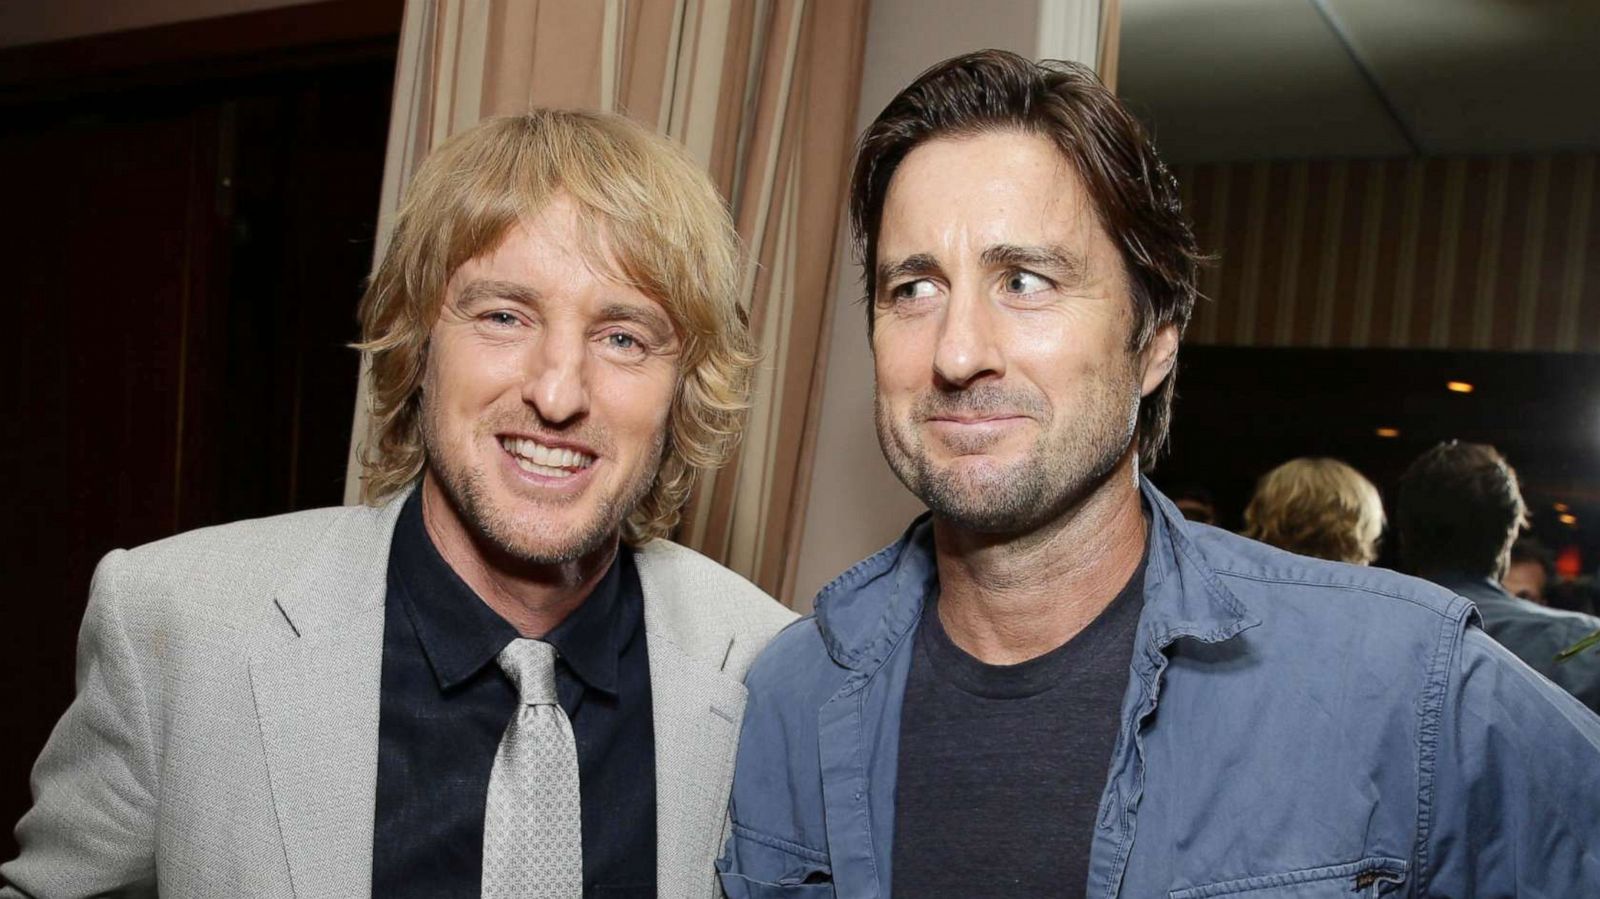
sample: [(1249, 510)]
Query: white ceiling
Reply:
[(1281, 79)]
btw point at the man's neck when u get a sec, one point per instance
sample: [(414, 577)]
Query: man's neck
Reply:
[(533, 598), (1005, 601)]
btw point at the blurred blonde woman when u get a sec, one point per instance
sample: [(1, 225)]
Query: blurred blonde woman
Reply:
[(1317, 507)]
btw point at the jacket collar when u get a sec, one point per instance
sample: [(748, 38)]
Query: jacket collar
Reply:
[(865, 612), (1183, 596), (316, 685)]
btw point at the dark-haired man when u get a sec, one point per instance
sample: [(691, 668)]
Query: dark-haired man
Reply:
[(1460, 509), (1053, 685)]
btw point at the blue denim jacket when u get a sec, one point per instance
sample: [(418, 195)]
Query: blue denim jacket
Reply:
[(1291, 727)]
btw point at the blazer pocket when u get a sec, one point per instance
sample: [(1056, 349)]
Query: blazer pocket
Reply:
[(1365, 879), (760, 866)]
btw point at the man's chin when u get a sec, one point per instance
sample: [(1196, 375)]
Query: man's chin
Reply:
[(546, 534), (556, 548), (974, 515)]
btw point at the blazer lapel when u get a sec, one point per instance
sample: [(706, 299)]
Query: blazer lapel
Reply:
[(316, 685), (697, 713)]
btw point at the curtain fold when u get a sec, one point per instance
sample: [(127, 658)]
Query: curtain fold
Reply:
[(760, 92)]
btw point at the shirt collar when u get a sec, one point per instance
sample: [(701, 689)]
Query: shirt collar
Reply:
[(865, 612), (460, 634), (1183, 595)]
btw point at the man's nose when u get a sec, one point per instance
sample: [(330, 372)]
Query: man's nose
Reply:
[(969, 341), (556, 382)]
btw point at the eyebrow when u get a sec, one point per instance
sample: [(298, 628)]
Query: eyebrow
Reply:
[(642, 316), (481, 291), (915, 265), (1064, 266)]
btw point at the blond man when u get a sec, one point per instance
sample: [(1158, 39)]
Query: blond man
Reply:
[(1317, 507), (498, 677)]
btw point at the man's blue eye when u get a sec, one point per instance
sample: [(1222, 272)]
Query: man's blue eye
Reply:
[(502, 318), (623, 341)]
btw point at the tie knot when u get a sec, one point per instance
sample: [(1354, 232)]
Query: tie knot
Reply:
[(531, 665)]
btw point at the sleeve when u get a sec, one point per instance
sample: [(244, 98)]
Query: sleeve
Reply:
[(91, 828), (1514, 804)]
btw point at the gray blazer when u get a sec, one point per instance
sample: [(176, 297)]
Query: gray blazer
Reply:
[(224, 738)]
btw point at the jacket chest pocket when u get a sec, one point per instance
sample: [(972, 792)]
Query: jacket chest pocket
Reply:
[(761, 866), (1368, 878)]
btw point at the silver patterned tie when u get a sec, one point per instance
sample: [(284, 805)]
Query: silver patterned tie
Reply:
[(532, 833)]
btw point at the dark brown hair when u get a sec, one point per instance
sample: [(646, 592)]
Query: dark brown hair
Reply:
[(1459, 509), (1134, 196)]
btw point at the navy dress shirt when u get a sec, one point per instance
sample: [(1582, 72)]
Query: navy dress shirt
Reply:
[(445, 703)]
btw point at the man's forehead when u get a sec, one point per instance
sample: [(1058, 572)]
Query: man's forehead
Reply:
[(982, 192), (553, 242)]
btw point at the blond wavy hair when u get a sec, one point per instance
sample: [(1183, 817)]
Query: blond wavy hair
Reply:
[(1317, 507), (647, 215)]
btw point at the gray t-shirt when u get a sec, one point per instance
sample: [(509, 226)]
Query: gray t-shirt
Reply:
[(1002, 767)]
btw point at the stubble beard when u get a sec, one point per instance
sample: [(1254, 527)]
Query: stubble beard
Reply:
[(466, 488), (1064, 466)]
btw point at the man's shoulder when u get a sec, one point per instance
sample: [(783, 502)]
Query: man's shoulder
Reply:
[(796, 661), (251, 538), (223, 566), (708, 583), (693, 597), (1270, 580)]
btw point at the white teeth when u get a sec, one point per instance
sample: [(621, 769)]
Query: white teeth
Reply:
[(545, 470), (535, 456)]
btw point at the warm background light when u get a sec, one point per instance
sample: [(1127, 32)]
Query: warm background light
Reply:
[(1388, 432), (1568, 519), (1569, 563), (1458, 387), (1561, 507)]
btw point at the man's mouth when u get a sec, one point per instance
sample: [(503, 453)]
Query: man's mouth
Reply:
[(976, 419), (548, 461)]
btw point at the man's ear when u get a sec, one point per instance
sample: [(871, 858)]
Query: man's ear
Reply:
[(1159, 357)]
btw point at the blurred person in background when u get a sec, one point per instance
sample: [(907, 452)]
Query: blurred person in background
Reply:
[(1531, 572), (1317, 507), (1196, 503), (1459, 511)]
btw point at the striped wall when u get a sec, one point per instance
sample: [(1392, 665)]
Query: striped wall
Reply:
[(1480, 253)]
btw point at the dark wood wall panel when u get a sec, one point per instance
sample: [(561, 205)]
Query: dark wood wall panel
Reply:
[(183, 252), (1481, 253)]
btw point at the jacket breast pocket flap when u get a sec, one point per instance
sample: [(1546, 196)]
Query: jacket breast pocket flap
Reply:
[(1365, 879), (761, 866)]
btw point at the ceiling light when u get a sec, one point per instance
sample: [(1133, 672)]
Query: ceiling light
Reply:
[(1458, 387), (1388, 432), (1568, 519), (1561, 507)]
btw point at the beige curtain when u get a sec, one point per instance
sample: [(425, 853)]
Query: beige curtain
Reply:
[(763, 92)]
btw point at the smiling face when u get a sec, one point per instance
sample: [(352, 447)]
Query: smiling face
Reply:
[(546, 396), (1006, 392)]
